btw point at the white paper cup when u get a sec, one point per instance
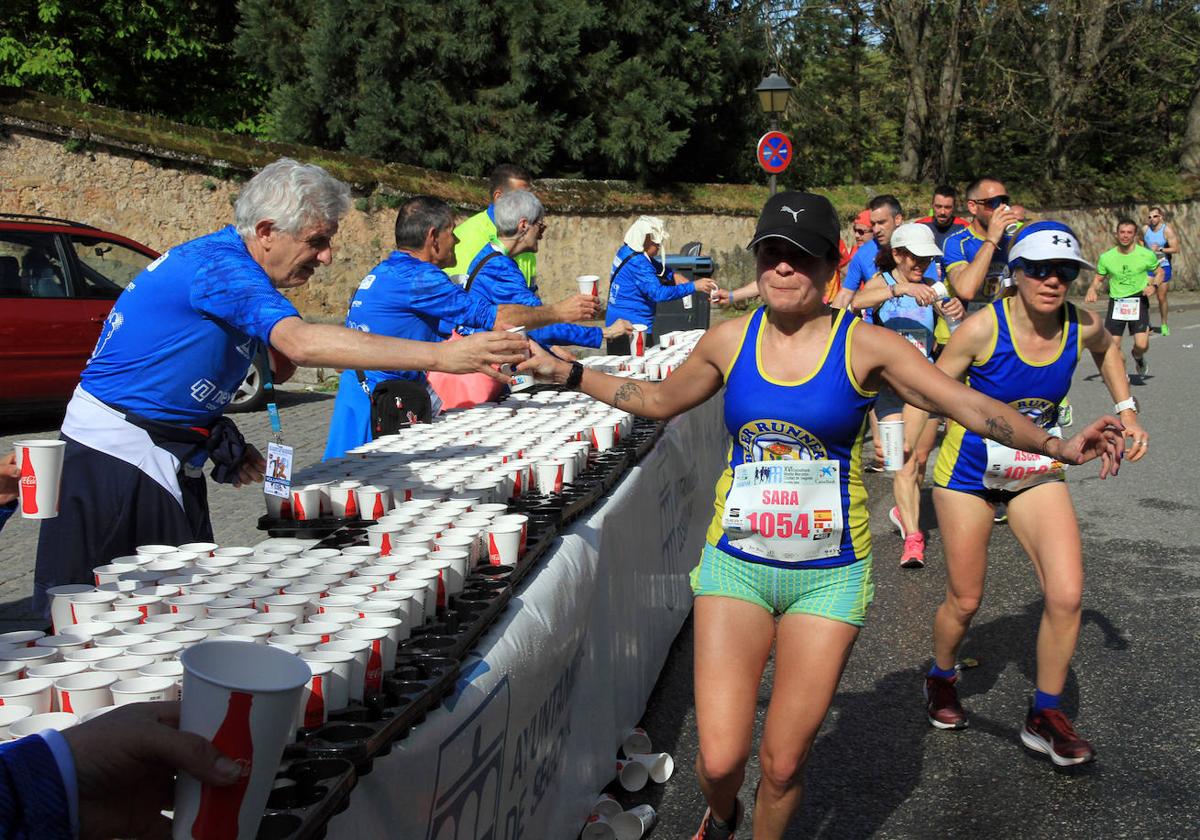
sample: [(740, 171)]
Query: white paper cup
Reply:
[(185, 637), (31, 692), (154, 551), (256, 633), (192, 606), (637, 341), (435, 591), (173, 670), (125, 666), (550, 476), (243, 698), (504, 544), (142, 690), (373, 501), (239, 551), (603, 436), (295, 641), (632, 775), (589, 284), (607, 805), (381, 658), (121, 618), (636, 742), (660, 766), (337, 688), (36, 723), (22, 638), (10, 671), (891, 438), (85, 606), (382, 537), (361, 650), (147, 605), (322, 631), (387, 604), (158, 651), (10, 715), (417, 593), (103, 710), (60, 603), (306, 503), (170, 619), (55, 671), (359, 553), (91, 655), (344, 500), (280, 623), (632, 824), (313, 709), (293, 603), (30, 656), (599, 827), (203, 549), (65, 643), (40, 463), (118, 641), (112, 572)]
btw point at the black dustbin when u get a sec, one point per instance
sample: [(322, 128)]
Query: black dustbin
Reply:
[(691, 312)]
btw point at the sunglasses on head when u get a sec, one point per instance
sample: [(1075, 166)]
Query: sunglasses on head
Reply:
[(1062, 269), (995, 202)]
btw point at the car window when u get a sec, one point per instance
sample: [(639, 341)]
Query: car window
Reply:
[(30, 266), (105, 267)]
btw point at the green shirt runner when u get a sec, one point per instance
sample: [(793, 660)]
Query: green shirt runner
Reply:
[(1126, 273), (476, 232)]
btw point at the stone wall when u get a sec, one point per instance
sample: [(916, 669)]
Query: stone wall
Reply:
[(161, 203)]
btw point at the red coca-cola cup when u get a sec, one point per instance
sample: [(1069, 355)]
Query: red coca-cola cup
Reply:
[(40, 462), (245, 698)]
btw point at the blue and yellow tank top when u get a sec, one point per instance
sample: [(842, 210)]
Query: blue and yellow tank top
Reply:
[(1032, 388), (822, 416)]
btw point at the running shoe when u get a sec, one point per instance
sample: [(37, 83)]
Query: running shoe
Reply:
[(1065, 415), (1141, 365), (873, 467), (914, 552), (894, 515), (1001, 514), (709, 830), (1052, 733), (1164, 330), (941, 703)]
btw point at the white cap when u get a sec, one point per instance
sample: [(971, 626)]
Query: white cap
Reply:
[(917, 239), (1046, 241)]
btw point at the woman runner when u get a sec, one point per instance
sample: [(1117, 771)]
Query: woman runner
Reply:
[(1022, 350), (790, 538)]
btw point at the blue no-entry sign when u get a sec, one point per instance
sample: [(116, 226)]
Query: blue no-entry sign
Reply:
[(774, 151)]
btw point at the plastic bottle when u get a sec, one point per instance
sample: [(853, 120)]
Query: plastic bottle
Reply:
[(940, 288)]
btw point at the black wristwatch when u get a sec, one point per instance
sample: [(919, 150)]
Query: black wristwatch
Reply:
[(574, 377)]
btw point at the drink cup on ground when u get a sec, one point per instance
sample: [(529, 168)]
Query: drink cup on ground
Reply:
[(632, 824)]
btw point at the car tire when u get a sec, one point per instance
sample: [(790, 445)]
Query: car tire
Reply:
[(251, 394)]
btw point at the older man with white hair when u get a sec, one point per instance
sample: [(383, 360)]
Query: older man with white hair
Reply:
[(146, 415)]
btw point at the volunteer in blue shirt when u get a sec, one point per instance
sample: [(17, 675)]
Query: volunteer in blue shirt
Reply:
[(147, 413), (636, 284), (494, 275), (974, 260), (408, 295)]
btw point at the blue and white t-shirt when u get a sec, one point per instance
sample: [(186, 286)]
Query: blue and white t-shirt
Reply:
[(179, 339)]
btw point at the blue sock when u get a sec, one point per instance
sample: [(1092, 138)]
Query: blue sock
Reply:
[(1042, 700), (935, 671)]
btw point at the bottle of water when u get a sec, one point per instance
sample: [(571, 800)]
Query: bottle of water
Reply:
[(940, 289)]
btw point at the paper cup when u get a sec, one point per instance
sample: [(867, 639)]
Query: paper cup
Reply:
[(550, 476), (60, 603), (243, 698), (343, 499), (322, 631), (632, 775), (125, 666), (373, 501), (381, 658), (504, 544), (65, 643), (91, 655), (256, 633), (10, 715), (891, 438), (173, 670), (337, 686), (599, 827), (632, 824), (589, 284), (36, 723), (659, 766), (306, 503), (10, 671), (279, 623), (361, 650), (607, 806), (637, 341), (185, 637), (30, 656), (112, 572), (158, 651), (313, 709), (295, 641), (121, 619), (85, 606), (22, 638), (635, 742), (191, 606), (153, 551), (203, 549), (603, 436), (143, 690), (32, 692), (40, 463)]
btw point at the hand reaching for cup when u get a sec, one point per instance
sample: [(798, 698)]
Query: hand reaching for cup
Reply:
[(617, 329), (577, 308), (10, 475), (125, 763), (706, 286), (482, 352)]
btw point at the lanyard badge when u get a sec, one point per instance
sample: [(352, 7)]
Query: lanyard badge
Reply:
[(278, 478)]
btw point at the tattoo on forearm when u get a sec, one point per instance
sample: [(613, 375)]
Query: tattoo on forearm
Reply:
[(627, 392), (999, 430)]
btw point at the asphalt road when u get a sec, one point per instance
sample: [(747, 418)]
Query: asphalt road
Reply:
[(877, 768)]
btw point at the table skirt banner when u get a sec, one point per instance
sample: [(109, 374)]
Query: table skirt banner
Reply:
[(531, 733)]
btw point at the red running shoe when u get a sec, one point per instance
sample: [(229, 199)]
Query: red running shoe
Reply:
[(709, 830), (913, 556), (1051, 732), (941, 703)]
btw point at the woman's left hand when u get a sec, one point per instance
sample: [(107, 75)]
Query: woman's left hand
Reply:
[(1103, 438)]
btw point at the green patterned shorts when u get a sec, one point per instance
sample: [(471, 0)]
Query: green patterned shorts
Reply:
[(841, 594)]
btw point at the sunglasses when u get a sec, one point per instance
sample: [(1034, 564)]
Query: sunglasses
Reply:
[(1064, 271), (995, 202), (861, 231)]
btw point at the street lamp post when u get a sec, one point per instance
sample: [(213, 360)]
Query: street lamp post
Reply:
[(773, 93)]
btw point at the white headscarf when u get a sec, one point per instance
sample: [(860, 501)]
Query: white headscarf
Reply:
[(651, 226)]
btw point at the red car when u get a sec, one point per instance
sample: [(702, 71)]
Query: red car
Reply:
[(58, 281)]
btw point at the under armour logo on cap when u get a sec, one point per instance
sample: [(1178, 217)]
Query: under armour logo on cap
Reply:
[(795, 213), (1062, 240)]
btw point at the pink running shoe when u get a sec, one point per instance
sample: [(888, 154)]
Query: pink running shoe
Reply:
[(914, 552)]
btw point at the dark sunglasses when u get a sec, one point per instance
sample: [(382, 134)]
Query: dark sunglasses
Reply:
[(994, 202), (1064, 271)]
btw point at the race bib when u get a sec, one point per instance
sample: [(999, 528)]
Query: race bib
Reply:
[(917, 338), (789, 511), (1013, 469), (1127, 309)]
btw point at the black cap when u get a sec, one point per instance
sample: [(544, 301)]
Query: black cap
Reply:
[(805, 219)]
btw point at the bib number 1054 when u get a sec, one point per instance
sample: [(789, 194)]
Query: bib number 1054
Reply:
[(782, 525)]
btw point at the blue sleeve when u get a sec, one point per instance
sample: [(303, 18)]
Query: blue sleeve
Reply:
[(6, 511), (568, 334), (501, 281), (952, 253), (650, 287), (859, 271), (234, 289), (433, 293), (33, 798)]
